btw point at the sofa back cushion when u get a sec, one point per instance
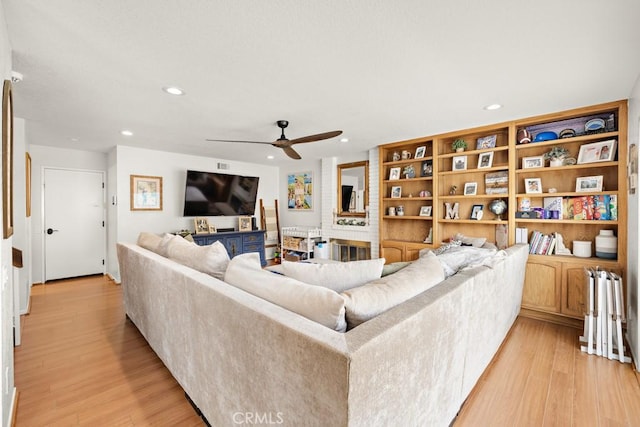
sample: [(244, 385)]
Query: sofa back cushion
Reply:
[(212, 259), (367, 301), (316, 303), (338, 276)]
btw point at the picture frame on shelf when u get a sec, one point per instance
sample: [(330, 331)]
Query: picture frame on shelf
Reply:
[(532, 185), (459, 163), (396, 192), (603, 151), (420, 151), (470, 188), (485, 160), (145, 193), (426, 169), (476, 212), (201, 225), (496, 182), (212, 229), (589, 184), (244, 223), (532, 162), (425, 211), (394, 174), (486, 142)]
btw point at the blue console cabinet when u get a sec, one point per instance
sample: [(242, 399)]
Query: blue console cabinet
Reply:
[(236, 242)]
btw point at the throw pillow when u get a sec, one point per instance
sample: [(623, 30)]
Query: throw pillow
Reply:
[(476, 242), (367, 301), (149, 241), (316, 303), (212, 259), (394, 267), (338, 276)]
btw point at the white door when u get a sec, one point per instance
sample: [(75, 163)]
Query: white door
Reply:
[(74, 233)]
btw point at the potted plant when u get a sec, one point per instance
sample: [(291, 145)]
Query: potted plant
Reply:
[(556, 156), (458, 145)]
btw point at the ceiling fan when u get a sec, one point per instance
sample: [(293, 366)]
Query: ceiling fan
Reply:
[(285, 143)]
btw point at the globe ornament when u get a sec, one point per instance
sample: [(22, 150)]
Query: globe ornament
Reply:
[(498, 207)]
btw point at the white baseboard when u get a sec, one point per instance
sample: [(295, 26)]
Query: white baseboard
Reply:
[(113, 279)]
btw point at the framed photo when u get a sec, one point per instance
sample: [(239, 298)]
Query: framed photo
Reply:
[(470, 188), (212, 229), (533, 162), (532, 185), (425, 211), (394, 173), (459, 163), (7, 160), (244, 223), (420, 152), (396, 192), (589, 183), (485, 160), (486, 142), (146, 193), (300, 191), (603, 151), (427, 168), (476, 212), (201, 225)]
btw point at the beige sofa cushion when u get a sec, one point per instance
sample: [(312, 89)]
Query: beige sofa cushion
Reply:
[(367, 301), (316, 303), (212, 259), (337, 276), (154, 242)]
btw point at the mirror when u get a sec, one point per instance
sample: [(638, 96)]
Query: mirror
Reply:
[(353, 194)]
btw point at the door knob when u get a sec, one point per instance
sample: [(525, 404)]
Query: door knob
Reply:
[(50, 230)]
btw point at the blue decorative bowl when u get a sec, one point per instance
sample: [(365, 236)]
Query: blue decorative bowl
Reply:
[(545, 136)]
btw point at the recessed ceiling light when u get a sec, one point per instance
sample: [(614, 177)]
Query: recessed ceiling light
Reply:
[(344, 139), (493, 107), (73, 139), (173, 90), (126, 133), (270, 157)]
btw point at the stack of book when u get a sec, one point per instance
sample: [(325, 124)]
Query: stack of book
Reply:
[(542, 244)]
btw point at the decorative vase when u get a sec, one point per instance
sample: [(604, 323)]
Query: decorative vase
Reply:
[(459, 149), (606, 245), (554, 163)]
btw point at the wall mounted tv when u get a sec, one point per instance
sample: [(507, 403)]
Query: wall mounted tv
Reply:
[(218, 194)]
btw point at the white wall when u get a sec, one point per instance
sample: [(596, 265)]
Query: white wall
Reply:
[(172, 168), (41, 157), (6, 287), (22, 224), (633, 255)]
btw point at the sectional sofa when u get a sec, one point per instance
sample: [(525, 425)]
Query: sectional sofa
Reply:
[(238, 356)]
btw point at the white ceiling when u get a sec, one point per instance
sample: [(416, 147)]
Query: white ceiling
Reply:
[(379, 70)]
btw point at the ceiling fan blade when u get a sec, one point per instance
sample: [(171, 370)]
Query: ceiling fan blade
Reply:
[(291, 152), (237, 140), (317, 137)]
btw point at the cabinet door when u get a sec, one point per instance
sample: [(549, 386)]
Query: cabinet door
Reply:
[(574, 287), (392, 252), (412, 251), (233, 245), (542, 287)]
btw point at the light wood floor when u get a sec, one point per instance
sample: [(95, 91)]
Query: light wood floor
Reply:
[(82, 363)]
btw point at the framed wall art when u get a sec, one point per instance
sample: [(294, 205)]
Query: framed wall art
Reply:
[(603, 151), (300, 191), (532, 162), (589, 183), (244, 223), (485, 160), (201, 225), (7, 160), (146, 193)]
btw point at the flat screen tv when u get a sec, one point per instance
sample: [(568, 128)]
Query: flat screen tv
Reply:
[(218, 194)]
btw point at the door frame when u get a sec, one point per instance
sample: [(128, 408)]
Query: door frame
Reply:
[(43, 217)]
